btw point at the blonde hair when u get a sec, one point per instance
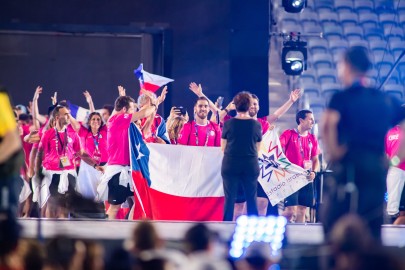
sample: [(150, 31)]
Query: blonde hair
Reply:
[(174, 126)]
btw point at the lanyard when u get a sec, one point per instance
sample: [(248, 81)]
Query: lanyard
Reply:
[(302, 148), (95, 140), (59, 140), (206, 135)]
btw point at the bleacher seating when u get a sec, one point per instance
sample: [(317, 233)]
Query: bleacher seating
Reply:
[(393, 34), (377, 25), (353, 32), (344, 6), (308, 76), (321, 61), (348, 19), (317, 45), (338, 46), (327, 75), (311, 90), (363, 6)]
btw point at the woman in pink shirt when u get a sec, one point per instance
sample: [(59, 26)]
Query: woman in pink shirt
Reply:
[(93, 139)]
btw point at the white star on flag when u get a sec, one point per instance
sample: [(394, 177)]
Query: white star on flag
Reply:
[(138, 148)]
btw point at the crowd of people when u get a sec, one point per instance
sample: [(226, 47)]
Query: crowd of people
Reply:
[(63, 157), (351, 246)]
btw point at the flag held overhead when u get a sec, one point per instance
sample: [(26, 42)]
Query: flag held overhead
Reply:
[(149, 81), (79, 113)]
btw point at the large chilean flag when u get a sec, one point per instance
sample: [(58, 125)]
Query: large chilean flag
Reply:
[(175, 182)]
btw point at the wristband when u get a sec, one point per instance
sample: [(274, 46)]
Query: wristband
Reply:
[(226, 110)]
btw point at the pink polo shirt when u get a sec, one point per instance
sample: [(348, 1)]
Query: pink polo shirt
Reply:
[(392, 142), (118, 140), (299, 148), (197, 135), (89, 142), (54, 148)]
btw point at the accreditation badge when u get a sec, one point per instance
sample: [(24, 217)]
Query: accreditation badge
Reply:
[(64, 162)]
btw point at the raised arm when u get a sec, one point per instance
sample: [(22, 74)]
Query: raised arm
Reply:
[(197, 89), (75, 124), (162, 96), (294, 96), (54, 98), (121, 93), (224, 112), (147, 110), (36, 117), (89, 100)]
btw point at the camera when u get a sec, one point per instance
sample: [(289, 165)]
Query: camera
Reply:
[(182, 110)]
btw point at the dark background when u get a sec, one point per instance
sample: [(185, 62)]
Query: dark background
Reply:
[(221, 44)]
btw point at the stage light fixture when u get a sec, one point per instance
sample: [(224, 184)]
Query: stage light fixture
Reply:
[(294, 57), (294, 6), (269, 230)]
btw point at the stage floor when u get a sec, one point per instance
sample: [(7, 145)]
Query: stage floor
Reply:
[(306, 234)]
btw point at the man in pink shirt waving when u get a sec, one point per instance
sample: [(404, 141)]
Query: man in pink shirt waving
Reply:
[(301, 148), (116, 183), (200, 131)]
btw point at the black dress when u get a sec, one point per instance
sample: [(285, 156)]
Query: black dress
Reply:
[(240, 163)]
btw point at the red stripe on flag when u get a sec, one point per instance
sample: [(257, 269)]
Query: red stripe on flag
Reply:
[(150, 87), (142, 208), (170, 207)]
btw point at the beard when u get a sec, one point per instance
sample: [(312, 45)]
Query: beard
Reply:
[(202, 115), (252, 113)]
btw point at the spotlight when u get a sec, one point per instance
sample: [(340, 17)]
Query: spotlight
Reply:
[(269, 230), (294, 57), (294, 6)]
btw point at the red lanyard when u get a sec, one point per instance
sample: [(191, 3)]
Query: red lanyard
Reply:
[(59, 140)]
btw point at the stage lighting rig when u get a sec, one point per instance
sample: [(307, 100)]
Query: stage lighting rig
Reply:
[(294, 6), (294, 54)]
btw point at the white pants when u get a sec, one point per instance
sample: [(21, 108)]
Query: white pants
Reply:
[(395, 185)]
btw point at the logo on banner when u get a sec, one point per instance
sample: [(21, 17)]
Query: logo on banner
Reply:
[(278, 176)]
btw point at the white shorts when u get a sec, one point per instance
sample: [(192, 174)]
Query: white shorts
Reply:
[(395, 186)]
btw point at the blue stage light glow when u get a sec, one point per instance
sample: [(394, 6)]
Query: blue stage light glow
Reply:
[(258, 229)]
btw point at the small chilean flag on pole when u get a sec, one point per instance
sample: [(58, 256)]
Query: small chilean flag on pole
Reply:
[(148, 81)]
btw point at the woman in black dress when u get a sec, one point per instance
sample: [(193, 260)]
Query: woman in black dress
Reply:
[(241, 137)]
